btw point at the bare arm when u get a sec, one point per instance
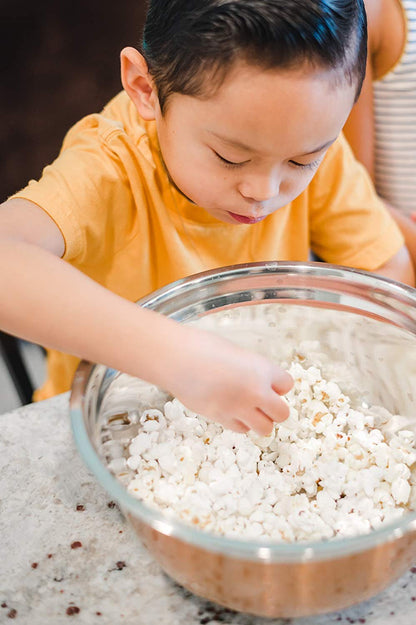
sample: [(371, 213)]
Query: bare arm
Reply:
[(408, 228), (359, 127), (52, 303), (399, 268)]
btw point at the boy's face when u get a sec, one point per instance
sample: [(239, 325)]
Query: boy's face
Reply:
[(255, 145)]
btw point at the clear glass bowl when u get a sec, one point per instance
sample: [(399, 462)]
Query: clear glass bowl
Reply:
[(366, 328)]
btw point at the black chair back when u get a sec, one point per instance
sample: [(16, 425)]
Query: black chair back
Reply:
[(10, 350)]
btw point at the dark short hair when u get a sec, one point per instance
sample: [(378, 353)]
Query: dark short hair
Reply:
[(190, 45)]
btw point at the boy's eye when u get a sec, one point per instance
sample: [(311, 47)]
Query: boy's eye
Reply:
[(306, 165), (227, 162)]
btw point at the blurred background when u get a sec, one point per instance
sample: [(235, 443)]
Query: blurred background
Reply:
[(59, 61)]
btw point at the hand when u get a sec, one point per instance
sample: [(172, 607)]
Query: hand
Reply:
[(233, 386)]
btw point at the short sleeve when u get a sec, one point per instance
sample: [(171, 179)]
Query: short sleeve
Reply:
[(85, 190), (349, 224)]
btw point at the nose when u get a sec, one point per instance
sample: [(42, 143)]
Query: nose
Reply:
[(260, 187)]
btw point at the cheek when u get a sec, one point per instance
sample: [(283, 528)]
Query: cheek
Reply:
[(194, 172), (192, 177), (298, 182)]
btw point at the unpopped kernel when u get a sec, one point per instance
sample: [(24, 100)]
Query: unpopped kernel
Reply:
[(330, 470)]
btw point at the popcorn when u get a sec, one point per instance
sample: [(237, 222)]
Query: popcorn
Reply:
[(400, 490), (332, 469), (152, 420)]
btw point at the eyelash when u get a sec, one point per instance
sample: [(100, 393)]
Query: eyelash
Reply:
[(229, 164), (232, 165), (307, 165)]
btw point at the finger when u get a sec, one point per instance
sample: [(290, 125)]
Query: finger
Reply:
[(239, 426), (282, 381), (261, 423), (275, 407)]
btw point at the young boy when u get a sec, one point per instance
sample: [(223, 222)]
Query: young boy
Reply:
[(209, 157)]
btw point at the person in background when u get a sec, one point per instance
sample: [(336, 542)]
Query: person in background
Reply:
[(225, 147), (382, 126)]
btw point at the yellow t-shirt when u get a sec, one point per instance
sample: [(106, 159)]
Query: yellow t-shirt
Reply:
[(126, 227)]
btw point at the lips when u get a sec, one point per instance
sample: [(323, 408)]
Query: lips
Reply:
[(242, 219)]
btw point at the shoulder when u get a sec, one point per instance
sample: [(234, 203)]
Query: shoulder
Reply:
[(374, 10), (386, 34), (117, 140), (118, 117)]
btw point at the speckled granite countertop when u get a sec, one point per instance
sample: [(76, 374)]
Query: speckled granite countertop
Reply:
[(67, 555)]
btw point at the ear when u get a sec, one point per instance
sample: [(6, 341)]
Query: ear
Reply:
[(138, 82)]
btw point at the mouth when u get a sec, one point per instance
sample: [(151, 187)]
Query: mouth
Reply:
[(242, 219)]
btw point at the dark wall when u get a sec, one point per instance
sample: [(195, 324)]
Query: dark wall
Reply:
[(59, 60)]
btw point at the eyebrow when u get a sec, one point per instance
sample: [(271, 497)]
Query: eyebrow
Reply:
[(242, 146)]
